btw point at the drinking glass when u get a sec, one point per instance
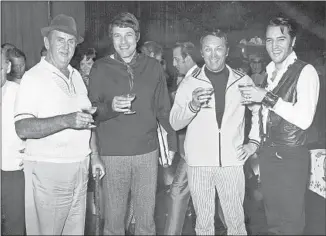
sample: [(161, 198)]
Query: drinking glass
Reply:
[(131, 97), (210, 92), (246, 99), (90, 111)]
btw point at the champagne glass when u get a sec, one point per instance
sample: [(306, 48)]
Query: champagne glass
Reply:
[(90, 111), (210, 92), (246, 99), (131, 97)]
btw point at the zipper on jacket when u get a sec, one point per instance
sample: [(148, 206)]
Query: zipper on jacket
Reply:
[(219, 147)]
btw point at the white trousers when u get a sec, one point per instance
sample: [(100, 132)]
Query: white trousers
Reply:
[(230, 185)]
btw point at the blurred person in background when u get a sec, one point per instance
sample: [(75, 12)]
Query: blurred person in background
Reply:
[(43, 52), (18, 64), (12, 176), (257, 69), (85, 65)]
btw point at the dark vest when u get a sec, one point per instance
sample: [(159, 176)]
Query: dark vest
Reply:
[(280, 132)]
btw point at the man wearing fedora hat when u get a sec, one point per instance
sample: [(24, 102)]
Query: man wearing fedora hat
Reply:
[(53, 115)]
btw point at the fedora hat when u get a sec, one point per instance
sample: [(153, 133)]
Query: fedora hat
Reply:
[(65, 24)]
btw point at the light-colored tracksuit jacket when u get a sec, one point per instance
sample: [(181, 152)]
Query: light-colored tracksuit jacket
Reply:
[(207, 144)]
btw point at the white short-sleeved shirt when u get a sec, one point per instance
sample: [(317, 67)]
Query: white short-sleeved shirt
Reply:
[(45, 92), (11, 144)]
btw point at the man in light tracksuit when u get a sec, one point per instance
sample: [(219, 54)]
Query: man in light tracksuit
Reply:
[(214, 145)]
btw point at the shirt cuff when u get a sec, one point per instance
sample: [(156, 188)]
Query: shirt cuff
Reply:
[(192, 109), (23, 116), (277, 106)]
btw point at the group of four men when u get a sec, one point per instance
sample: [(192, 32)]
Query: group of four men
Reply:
[(53, 114)]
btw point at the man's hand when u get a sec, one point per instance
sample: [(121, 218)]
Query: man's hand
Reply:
[(97, 164), (121, 104), (199, 97), (245, 151), (253, 93), (78, 120)]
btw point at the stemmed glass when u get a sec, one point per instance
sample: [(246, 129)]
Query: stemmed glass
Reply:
[(90, 111), (210, 92), (246, 99), (130, 96)]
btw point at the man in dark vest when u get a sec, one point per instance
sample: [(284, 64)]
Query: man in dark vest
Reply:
[(289, 98)]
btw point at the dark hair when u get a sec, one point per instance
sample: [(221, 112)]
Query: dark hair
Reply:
[(187, 48), (90, 54), (4, 53), (151, 47), (43, 49), (285, 22), (217, 33), (15, 53), (7, 46), (125, 20)]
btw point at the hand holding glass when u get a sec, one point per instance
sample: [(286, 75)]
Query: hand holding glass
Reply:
[(246, 99), (90, 111), (209, 91), (131, 97)]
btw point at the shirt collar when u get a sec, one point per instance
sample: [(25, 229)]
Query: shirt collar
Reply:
[(288, 61), (54, 69)]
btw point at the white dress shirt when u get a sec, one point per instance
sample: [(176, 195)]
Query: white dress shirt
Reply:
[(10, 142), (302, 112)]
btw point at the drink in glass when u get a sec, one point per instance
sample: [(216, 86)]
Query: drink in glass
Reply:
[(246, 99), (209, 91), (131, 97)]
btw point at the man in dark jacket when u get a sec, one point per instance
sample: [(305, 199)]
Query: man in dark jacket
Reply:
[(289, 98), (128, 140)]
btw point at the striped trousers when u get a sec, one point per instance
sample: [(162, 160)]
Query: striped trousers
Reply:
[(137, 175), (230, 185)]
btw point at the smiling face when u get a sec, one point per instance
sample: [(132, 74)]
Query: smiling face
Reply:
[(60, 48), (214, 51), (124, 42), (279, 45)]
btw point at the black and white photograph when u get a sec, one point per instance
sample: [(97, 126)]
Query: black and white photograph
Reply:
[(163, 117)]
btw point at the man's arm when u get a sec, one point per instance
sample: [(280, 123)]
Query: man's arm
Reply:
[(104, 107), (35, 128), (302, 112), (182, 111), (163, 107), (96, 161)]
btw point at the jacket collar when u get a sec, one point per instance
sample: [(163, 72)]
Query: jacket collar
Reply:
[(233, 76), (191, 70)]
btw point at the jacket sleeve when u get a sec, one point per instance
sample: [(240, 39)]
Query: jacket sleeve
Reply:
[(104, 104), (254, 134), (163, 107), (182, 112)]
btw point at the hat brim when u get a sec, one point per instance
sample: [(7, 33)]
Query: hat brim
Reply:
[(46, 30)]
